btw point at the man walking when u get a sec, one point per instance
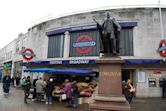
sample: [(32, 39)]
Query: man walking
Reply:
[(26, 86), (6, 84)]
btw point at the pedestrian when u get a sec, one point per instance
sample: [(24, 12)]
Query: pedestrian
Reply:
[(34, 89), (23, 81), (26, 86), (39, 88), (68, 91), (163, 88), (18, 81), (123, 86), (12, 81), (129, 91), (6, 84), (49, 89), (75, 95)]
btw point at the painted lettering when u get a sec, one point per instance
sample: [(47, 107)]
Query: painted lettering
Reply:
[(110, 74)]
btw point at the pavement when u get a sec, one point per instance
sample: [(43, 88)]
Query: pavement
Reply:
[(15, 102)]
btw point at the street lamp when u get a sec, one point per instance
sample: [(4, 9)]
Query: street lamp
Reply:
[(161, 21)]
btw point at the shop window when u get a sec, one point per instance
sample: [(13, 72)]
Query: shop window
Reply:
[(23, 48), (17, 49), (152, 82), (80, 41)]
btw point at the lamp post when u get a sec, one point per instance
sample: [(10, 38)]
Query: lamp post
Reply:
[(161, 21)]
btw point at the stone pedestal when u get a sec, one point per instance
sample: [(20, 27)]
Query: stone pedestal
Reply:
[(110, 96)]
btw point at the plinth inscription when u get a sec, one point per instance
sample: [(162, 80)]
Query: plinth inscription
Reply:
[(110, 74)]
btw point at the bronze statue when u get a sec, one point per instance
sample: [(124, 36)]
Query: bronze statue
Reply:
[(109, 34)]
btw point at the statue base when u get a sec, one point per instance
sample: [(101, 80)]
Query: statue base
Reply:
[(110, 97), (105, 103)]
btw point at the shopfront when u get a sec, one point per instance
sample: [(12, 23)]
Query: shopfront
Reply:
[(83, 71), (7, 69), (146, 74), (17, 68)]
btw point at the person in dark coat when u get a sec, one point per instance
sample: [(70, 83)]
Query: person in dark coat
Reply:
[(6, 83), (124, 84), (163, 88), (75, 94), (48, 90), (18, 81), (27, 86), (34, 87)]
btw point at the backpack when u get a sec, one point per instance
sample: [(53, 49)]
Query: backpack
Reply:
[(75, 90), (23, 83)]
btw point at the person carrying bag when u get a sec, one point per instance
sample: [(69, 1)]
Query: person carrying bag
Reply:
[(129, 91)]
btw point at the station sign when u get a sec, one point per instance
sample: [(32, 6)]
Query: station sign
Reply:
[(60, 62), (66, 62), (162, 48), (28, 54), (84, 44)]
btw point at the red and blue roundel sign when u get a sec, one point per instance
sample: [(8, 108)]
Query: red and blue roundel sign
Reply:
[(162, 48), (84, 44), (28, 54)]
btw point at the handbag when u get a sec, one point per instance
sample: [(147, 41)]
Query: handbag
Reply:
[(63, 97), (132, 89)]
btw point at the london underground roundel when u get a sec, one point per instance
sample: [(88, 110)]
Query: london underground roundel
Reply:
[(162, 48), (84, 44), (28, 54)]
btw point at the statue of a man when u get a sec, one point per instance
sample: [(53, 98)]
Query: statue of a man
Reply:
[(109, 34)]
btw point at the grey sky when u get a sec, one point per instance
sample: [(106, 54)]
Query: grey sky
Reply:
[(18, 15)]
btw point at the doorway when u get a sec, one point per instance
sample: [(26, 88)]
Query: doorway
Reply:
[(128, 74)]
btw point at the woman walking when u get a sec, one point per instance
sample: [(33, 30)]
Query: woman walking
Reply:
[(129, 91)]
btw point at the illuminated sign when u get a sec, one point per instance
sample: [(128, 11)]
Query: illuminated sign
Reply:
[(162, 48), (84, 44), (28, 54)]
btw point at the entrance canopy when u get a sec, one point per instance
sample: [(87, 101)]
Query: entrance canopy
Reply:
[(61, 71), (39, 70)]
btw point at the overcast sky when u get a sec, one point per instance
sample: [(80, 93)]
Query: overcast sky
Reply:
[(16, 16)]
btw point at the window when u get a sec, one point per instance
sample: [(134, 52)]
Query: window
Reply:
[(55, 46)]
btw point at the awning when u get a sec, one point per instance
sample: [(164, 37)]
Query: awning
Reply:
[(143, 61), (61, 71), (73, 71), (39, 70)]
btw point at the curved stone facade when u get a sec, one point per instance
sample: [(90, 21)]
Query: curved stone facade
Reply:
[(146, 36)]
